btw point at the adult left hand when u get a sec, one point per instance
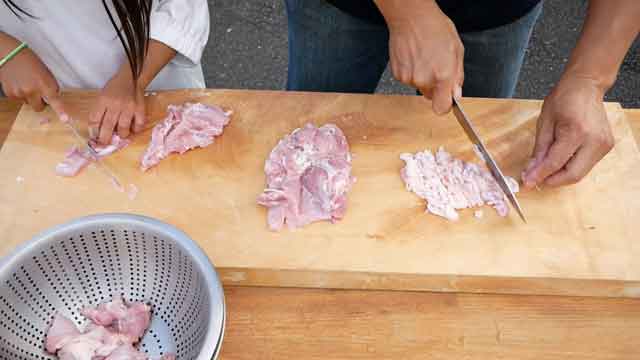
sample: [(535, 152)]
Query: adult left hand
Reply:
[(573, 134)]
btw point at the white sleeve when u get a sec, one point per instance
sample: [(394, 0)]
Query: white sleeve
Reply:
[(182, 25)]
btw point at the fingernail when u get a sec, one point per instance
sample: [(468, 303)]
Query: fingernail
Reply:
[(93, 132), (457, 92), (526, 180)]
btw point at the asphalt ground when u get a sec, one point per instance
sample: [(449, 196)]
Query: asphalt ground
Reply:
[(248, 50)]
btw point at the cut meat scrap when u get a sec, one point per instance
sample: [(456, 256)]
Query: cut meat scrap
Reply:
[(449, 184), (116, 144), (105, 314), (114, 328), (60, 332), (308, 177), (109, 339), (96, 341), (132, 191), (126, 352), (276, 201), (186, 127), (80, 348), (75, 159), (129, 320), (136, 321)]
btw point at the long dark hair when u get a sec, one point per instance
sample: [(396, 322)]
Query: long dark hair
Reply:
[(133, 31)]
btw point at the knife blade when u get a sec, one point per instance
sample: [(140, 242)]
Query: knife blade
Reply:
[(94, 154), (466, 124)]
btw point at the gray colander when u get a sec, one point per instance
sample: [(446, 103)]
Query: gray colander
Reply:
[(87, 261)]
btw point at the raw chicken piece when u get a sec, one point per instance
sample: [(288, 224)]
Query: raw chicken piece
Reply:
[(109, 339), (75, 159), (64, 338), (132, 191), (96, 342), (449, 184), (61, 330), (126, 352), (308, 177), (136, 322), (105, 314), (132, 320), (115, 327), (116, 144), (168, 357), (186, 127), (80, 348)]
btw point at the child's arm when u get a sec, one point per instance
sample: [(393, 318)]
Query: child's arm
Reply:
[(27, 78), (120, 106), (178, 27)]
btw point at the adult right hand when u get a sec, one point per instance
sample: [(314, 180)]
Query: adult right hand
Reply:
[(425, 50), (27, 78)]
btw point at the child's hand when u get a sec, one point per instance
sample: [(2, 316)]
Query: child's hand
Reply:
[(27, 78), (120, 108)]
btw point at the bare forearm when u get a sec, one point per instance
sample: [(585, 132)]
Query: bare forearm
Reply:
[(399, 12), (158, 56), (7, 43), (608, 32), (425, 50)]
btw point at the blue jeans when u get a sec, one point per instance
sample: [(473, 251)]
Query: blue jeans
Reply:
[(330, 50)]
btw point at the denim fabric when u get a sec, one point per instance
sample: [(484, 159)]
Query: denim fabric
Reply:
[(332, 51)]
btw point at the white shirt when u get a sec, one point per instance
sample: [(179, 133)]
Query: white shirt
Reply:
[(78, 43)]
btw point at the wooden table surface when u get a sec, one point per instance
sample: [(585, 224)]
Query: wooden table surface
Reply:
[(578, 241), (279, 323)]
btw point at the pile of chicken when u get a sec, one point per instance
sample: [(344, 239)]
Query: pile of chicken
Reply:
[(308, 177), (114, 329), (449, 184), (186, 127)]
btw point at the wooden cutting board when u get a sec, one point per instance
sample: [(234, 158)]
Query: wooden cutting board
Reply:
[(580, 240)]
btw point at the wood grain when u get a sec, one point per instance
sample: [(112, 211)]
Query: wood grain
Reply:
[(633, 116), (271, 323), (324, 324), (580, 240)]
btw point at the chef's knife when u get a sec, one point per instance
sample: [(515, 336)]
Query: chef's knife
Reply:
[(493, 166), (94, 154)]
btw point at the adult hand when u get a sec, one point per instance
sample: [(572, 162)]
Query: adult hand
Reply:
[(573, 134), (425, 50)]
